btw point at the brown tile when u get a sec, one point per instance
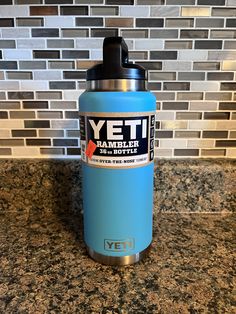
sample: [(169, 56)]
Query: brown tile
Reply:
[(119, 22), (206, 66), (175, 105), (36, 124), (11, 142), (225, 143), (75, 32), (23, 133), (188, 115), (215, 134), (65, 142), (3, 115), (35, 104), (74, 10), (49, 95), (186, 152), (5, 151), (12, 75), (216, 115), (163, 134), (73, 151), (213, 152), (22, 114), (9, 105), (61, 64), (187, 134), (190, 96), (43, 10), (20, 95), (227, 106), (52, 151), (104, 32), (232, 134), (218, 96), (51, 133), (38, 142), (49, 114)]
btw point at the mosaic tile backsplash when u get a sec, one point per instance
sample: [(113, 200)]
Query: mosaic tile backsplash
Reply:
[(187, 46)]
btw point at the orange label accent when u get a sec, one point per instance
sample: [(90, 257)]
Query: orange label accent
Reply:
[(90, 149)]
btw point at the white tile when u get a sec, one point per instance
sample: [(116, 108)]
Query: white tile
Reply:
[(9, 85), (194, 55), (204, 86), (200, 143), (34, 85), (59, 21), (49, 75), (96, 54), (162, 11), (89, 43), (231, 152), (12, 124), (148, 44), (226, 125), (222, 55), (176, 65), (160, 152), (72, 94), (173, 143), (31, 43), (135, 11), (17, 54), (202, 125), (165, 115), (67, 124), (25, 151), (15, 32), (230, 2), (14, 10)]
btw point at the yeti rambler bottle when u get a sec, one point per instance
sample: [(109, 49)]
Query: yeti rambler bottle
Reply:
[(117, 117)]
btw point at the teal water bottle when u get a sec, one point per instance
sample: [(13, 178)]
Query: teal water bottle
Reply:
[(117, 123)]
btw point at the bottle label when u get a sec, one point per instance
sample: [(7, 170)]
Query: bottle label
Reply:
[(117, 140)]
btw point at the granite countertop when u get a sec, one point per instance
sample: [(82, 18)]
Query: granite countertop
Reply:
[(44, 267)]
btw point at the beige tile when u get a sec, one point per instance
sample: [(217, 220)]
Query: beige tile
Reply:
[(5, 133), (203, 105), (229, 65), (173, 143), (231, 153), (212, 152), (202, 125), (12, 124), (174, 125), (200, 143), (160, 152), (195, 11), (225, 125), (25, 152), (165, 115)]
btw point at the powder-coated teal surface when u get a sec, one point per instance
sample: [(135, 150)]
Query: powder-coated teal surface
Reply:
[(117, 202)]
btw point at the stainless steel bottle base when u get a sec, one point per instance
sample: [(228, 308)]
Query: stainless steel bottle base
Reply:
[(118, 260)]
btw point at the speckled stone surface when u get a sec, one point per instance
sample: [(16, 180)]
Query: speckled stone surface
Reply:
[(45, 268), (180, 185)]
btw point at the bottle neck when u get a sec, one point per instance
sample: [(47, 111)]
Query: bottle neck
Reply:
[(116, 85)]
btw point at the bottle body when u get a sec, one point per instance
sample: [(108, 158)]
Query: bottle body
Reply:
[(117, 195)]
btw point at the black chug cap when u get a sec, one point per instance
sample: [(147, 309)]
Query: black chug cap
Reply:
[(116, 63)]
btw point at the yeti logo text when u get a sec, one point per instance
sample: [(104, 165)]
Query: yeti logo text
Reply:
[(118, 245), (114, 128)]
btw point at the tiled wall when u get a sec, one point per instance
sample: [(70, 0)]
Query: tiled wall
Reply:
[(188, 46)]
